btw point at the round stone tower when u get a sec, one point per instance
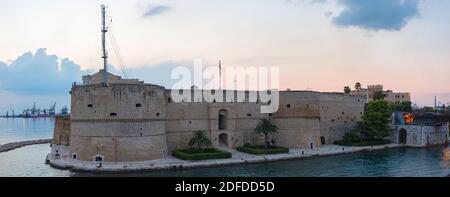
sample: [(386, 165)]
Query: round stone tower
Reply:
[(121, 122)]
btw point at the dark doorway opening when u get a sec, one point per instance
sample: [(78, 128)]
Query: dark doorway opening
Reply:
[(402, 136), (98, 159), (322, 140), (223, 140)]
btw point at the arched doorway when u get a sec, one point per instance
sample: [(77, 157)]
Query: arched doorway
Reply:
[(223, 116), (402, 136), (223, 140), (322, 140)]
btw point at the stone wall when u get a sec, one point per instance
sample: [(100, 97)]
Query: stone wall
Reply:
[(303, 118), (339, 115), (121, 122), (61, 132), (420, 135), (137, 122)]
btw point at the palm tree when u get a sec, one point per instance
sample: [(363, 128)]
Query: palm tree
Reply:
[(266, 127), (200, 140), (347, 90), (358, 86)]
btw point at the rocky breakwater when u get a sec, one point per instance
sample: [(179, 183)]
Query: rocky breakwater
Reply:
[(15, 145)]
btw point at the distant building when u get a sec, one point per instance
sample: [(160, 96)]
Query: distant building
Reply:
[(390, 96), (419, 129), (97, 78)]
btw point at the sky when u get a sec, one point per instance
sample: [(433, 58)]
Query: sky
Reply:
[(320, 45)]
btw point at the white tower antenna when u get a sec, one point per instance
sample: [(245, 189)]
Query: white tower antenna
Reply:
[(105, 52)]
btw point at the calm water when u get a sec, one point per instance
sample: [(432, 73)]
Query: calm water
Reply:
[(20, 129), (29, 161)]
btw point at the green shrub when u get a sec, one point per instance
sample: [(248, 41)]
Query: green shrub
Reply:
[(362, 143), (247, 145), (261, 150), (205, 154), (352, 137)]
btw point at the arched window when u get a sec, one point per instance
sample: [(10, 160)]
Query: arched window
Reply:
[(74, 156), (223, 116)]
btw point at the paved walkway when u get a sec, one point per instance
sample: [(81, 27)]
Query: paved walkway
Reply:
[(15, 145), (173, 163)]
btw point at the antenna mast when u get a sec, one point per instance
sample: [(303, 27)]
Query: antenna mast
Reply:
[(220, 74), (105, 52)]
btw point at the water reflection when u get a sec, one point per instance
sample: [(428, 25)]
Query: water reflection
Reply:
[(405, 162), (446, 157), (402, 162), (20, 129)]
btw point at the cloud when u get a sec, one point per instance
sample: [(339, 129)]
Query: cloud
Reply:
[(44, 79), (153, 10), (376, 14), (317, 1), (39, 74)]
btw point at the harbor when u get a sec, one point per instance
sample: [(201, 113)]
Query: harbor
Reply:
[(36, 112)]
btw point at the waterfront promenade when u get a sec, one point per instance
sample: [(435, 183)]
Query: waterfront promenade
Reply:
[(238, 158), (15, 145)]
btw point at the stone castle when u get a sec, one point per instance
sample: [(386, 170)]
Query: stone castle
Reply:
[(129, 121)]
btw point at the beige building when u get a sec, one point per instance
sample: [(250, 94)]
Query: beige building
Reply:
[(129, 120), (390, 96), (397, 97)]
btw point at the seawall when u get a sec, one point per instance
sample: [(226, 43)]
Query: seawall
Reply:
[(15, 145), (238, 158)]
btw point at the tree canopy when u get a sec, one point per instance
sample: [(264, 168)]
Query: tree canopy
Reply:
[(378, 96), (200, 140), (376, 119), (405, 106), (358, 86), (347, 90), (266, 127)]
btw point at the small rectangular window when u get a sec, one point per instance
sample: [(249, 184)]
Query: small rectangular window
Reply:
[(113, 114), (90, 105), (99, 159), (138, 105)]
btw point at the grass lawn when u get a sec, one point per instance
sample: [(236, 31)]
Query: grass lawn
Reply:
[(363, 143), (194, 154), (262, 150)]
